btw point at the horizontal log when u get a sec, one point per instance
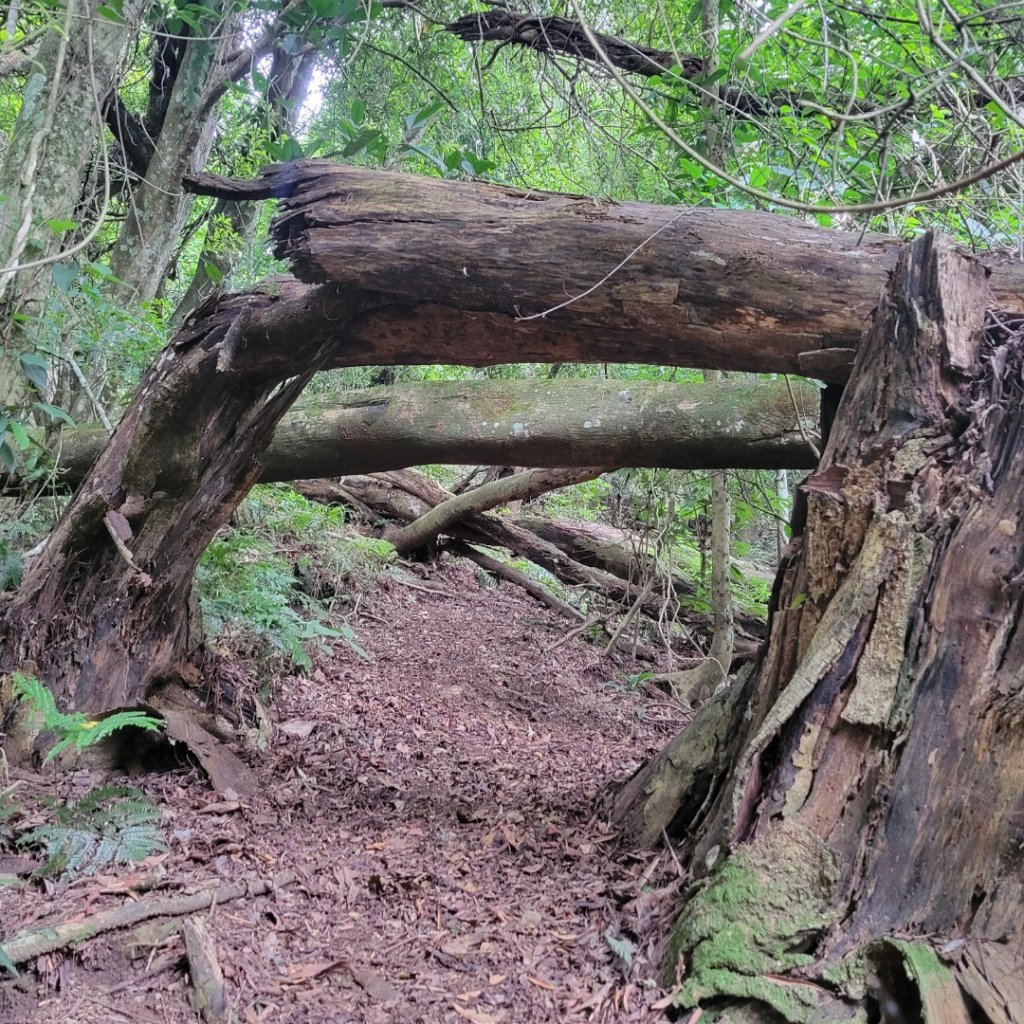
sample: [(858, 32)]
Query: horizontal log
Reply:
[(475, 274), (556, 423)]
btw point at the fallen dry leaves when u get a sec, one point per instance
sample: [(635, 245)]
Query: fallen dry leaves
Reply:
[(440, 806)]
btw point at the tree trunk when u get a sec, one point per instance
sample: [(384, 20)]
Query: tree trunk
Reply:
[(57, 132), (287, 84), (551, 424), (102, 615), (855, 807), (475, 274), (158, 209)]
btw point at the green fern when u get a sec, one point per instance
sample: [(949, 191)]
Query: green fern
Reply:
[(75, 729), (109, 825)]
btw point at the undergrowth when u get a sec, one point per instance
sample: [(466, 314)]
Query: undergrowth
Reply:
[(275, 584), (110, 825)]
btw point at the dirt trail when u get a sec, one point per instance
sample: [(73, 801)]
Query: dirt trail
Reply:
[(439, 806)]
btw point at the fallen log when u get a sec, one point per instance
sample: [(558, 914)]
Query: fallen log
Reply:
[(27, 945), (622, 552), (519, 487), (406, 495), (736, 424), (470, 273)]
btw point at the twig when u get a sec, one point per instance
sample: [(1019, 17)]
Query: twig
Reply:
[(123, 550), (37, 941)]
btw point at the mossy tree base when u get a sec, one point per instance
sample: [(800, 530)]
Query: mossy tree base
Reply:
[(858, 850)]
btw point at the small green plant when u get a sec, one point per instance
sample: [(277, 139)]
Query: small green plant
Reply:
[(9, 811), (74, 729), (245, 586), (110, 825)]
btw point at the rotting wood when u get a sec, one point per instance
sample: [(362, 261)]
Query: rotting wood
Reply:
[(907, 544), (209, 993), (723, 289), (42, 939)]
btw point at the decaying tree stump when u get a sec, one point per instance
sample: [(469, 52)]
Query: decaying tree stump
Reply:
[(855, 808)]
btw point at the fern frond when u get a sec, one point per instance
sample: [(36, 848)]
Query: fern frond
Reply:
[(109, 825), (94, 731), (31, 689)]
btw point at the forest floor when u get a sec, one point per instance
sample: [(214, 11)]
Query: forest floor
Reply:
[(440, 808)]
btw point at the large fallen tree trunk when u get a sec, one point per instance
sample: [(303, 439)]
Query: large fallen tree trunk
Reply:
[(735, 424), (438, 272), (853, 812), (475, 274)]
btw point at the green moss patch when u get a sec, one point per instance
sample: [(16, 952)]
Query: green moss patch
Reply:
[(756, 916)]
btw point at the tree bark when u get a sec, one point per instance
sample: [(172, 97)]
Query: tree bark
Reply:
[(102, 616), (550, 424), (57, 132), (519, 487), (855, 807), (620, 552), (149, 238), (476, 274)]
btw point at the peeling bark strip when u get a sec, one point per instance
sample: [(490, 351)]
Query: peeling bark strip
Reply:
[(735, 425), (877, 755), (453, 270)]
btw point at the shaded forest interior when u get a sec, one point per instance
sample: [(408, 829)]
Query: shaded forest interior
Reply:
[(511, 515)]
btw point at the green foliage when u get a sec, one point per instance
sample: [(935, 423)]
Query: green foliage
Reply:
[(108, 337), (245, 586), (252, 592), (12, 565), (74, 729), (110, 825)]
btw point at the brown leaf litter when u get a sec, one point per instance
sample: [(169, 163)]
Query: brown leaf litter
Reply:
[(440, 809)]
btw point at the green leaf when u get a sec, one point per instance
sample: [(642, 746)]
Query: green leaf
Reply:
[(284, 150), (34, 368), (362, 141), (64, 275), (7, 963), (326, 8), (7, 456), (54, 412), (213, 272), (109, 12), (622, 948), (417, 120), (20, 435), (58, 227)]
